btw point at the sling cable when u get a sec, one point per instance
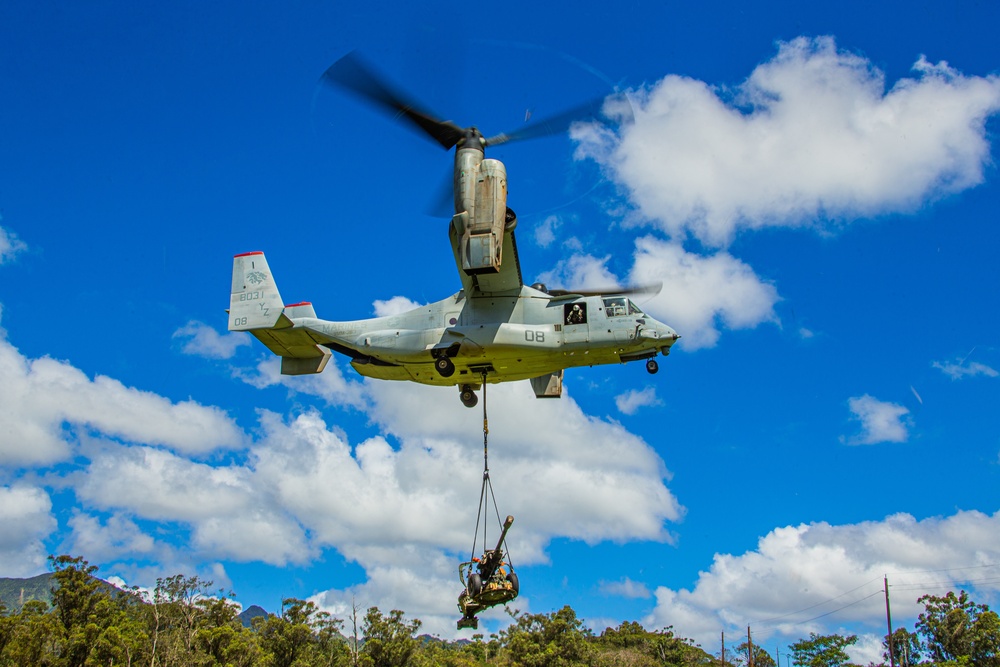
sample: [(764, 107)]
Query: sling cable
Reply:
[(489, 580)]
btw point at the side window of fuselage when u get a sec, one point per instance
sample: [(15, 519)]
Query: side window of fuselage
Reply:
[(575, 313)]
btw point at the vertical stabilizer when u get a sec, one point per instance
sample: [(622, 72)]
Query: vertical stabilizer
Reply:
[(254, 302)]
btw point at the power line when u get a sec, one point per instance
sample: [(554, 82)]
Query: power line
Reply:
[(818, 604), (901, 587), (849, 604), (939, 584), (947, 569), (915, 586)]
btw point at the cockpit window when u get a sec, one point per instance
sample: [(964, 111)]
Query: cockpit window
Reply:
[(616, 307), (619, 306)]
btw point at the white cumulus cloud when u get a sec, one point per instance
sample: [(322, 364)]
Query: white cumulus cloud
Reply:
[(812, 134), (25, 521), (117, 537), (626, 588), (10, 246), (963, 368), (39, 397), (813, 137), (228, 513), (591, 478), (633, 399), (880, 421), (331, 385), (805, 578), (700, 292), (558, 471), (545, 231), (394, 306), (401, 505), (204, 341), (581, 271)]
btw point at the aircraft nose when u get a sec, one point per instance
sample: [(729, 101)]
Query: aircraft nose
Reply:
[(660, 332), (669, 336)]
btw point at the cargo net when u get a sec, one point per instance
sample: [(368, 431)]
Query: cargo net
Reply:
[(488, 580)]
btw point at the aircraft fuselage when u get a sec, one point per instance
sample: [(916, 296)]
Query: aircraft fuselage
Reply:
[(510, 337)]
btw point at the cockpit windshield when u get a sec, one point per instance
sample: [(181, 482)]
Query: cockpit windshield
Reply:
[(619, 306)]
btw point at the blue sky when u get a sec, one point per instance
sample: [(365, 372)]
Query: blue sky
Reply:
[(816, 188)]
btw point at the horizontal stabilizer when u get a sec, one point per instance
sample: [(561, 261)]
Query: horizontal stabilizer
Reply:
[(548, 386), (298, 310), (306, 365)]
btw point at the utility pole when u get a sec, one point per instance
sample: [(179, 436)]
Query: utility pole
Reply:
[(888, 622), (723, 649), (749, 648)]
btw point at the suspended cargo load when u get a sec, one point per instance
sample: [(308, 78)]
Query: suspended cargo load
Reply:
[(489, 581)]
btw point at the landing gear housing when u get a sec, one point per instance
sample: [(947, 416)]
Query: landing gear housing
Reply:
[(444, 366), (467, 396)]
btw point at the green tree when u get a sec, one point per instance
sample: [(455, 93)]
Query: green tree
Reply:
[(632, 644), (822, 650), (627, 645), (81, 602), (435, 652), (7, 625), (122, 641), (36, 637), (761, 658), (171, 619), (220, 638), (547, 640), (178, 598), (353, 644), (389, 639), (188, 624), (302, 636), (906, 648), (670, 649), (331, 645), (627, 635), (287, 638), (956, 629), (483, 652)]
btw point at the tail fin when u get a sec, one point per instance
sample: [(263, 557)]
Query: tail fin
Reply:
[(256, 306), (254, 302)]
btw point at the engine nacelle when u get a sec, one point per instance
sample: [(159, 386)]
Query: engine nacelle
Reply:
[(481, 189)]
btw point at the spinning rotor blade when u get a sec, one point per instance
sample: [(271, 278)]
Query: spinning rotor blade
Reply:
[(442, 202), (552, 125), (353, 74), (630, 290)]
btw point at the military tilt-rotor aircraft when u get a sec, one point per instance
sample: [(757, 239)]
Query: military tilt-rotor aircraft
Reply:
[(496, 328)]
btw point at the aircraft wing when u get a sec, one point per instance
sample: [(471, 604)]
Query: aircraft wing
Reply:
[(507, 280)]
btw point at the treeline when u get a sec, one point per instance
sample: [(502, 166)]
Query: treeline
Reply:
[(183, 623)]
